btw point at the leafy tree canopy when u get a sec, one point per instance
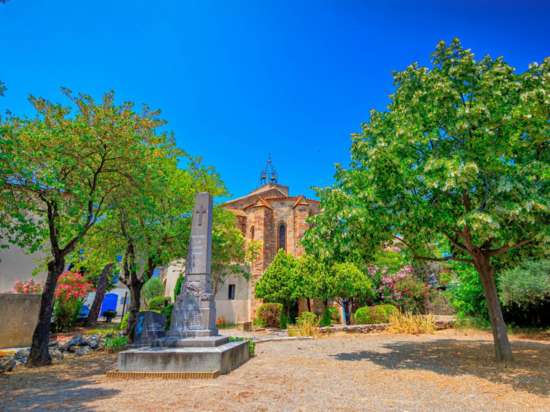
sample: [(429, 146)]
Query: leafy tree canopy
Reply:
[(459, 162), (281, 282)]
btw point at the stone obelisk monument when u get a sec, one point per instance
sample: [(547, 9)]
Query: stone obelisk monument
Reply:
[(193, 345), (194, 313)]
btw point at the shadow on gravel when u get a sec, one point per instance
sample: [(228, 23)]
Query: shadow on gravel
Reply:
[(530, 371), (62, 387)]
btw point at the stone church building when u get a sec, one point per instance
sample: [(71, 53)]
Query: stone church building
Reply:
[(268, 214)]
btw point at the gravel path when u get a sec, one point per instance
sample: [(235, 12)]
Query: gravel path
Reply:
[(448, 371)]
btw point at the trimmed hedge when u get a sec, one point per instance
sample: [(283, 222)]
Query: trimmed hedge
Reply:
[(374, 314)]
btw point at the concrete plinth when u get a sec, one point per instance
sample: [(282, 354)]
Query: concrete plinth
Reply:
[(199, 342), (213, 359)]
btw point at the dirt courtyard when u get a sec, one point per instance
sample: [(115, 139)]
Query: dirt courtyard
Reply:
[(447, 371)]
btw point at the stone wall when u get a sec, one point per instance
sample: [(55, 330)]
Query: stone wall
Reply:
[(18, 318)]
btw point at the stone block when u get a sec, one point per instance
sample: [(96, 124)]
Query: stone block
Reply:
[(222, 359)]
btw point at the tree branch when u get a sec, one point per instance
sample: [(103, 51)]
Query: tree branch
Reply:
[(503, 249)]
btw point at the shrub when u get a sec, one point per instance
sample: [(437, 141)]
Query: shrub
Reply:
[(525, 293), (27, 287), (525, 285), (167, 312), (326, 318), (158, 303), (362, 316), (109, 315), (466, 293), (412, 294), (115, 343), (179, 285), (283, 322), (124, 321), (306, 325), (411, 324), (374, 314), (151, 289), (270, 314), (70, 292), (382, 313)]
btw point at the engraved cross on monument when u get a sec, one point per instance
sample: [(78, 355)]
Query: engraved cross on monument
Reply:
[(194, 313)]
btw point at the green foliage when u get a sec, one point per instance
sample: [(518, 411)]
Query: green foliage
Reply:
[(456, 168), (105, 331), (413, 294), (153, 288), (382, 313), (326, 318), (466, 293), (306, 318), (115, 343), (269, 315), (362, 315), (158, 303), (347, 281), (374, 314), (283, 321), (281, 282), (167, 312), (178, 286), (306, 325), (527, 284), (124, 321), (66, 313)]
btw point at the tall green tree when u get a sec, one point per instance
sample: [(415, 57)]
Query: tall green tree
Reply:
[(459, 161), (59, 174), (281, 281)]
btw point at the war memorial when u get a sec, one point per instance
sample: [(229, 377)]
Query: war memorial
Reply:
[(193, 347)]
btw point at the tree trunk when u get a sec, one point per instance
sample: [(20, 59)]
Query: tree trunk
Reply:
[(308, 304), (133, 310), (503, 350), (99, 293), (40, 355)]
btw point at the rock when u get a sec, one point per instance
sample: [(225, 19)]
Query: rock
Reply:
[(76, 340), (93, 342), (7, 363), (53, 344), (82, 350), (56, 354), (22, 355)]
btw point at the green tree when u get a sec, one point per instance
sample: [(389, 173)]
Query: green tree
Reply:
[(281, 282), (151, 289), (346, 282), (59, 173), (459, 162)]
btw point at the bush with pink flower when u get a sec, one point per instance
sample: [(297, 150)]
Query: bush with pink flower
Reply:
[(402, 288), (72, 288), (28, 287)]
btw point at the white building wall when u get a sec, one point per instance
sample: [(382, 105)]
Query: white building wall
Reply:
[(233, 310), (16, 264)]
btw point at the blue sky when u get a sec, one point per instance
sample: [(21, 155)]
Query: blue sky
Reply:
[(237, 80)]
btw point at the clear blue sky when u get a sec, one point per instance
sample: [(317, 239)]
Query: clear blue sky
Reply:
[(237, 80)]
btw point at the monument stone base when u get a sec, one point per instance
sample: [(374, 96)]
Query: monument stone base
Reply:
[(214, 355)]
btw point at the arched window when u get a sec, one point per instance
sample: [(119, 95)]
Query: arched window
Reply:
[(281, 244), (252, 232)]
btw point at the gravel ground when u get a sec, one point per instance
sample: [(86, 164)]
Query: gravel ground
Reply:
[(448, 371)]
